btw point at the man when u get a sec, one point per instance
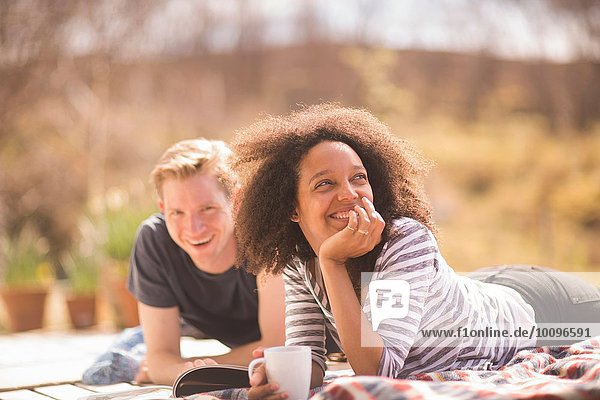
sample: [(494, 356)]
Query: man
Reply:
[(182, 267)]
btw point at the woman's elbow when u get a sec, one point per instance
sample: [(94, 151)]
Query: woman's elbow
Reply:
[(317, 375)]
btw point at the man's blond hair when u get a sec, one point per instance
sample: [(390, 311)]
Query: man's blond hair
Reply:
[(197, 156)]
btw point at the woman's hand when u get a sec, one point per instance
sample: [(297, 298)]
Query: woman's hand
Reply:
[(360, 236), (259, 387)]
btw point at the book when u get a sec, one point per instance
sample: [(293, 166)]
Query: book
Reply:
[(206, 378)]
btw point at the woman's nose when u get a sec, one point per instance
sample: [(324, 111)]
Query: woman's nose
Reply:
[(347, 192)]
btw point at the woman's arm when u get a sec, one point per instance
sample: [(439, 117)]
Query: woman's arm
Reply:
[(305, 322), (350, 321), (409, 257), (305, 326), (362, 234)]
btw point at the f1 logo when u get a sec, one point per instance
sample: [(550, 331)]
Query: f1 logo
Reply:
[(388, 299)]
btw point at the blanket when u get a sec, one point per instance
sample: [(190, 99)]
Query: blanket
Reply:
[(556, 372)]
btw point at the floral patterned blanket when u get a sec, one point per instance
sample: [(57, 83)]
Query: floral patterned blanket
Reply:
[(557, 372)]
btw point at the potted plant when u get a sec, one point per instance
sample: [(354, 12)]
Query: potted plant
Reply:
[(83, 272), (121, 224), (25, 278)]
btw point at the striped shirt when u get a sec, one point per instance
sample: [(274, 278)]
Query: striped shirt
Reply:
[(471, 313)]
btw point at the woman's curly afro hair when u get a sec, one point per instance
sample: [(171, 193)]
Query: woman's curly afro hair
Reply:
[(267, 157)]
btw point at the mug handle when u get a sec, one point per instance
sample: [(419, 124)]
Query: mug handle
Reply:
[(253, 364)]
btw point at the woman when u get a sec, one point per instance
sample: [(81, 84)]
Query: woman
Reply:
[(329, 193)]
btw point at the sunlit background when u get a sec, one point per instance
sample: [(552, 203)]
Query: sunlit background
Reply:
[(502, 95)]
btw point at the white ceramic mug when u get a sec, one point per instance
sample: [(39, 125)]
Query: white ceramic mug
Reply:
[(289, 367)]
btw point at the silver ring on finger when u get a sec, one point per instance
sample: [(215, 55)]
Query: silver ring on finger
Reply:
[(350, 228), (363, 232)]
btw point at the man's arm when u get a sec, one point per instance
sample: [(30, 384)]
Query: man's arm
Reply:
[(162, 332), (271, 320)]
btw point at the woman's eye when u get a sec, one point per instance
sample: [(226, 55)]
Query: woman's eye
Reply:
[(360, 177), (323, 184)]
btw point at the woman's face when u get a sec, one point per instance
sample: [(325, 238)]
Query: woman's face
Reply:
[(332, 181)]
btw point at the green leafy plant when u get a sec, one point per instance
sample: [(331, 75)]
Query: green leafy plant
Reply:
[(24, 262), (121, 225), (84, 272)]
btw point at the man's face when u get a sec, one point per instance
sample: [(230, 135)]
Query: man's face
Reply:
[(199, 219)]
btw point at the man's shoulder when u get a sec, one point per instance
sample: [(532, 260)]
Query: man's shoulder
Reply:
[(153, 231), (242, 273), (153, 225), (155, 221)]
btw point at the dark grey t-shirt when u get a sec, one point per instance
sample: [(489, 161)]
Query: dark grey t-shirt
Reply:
[(223, 306)]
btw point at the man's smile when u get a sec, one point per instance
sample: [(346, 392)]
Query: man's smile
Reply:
[(201, 242)]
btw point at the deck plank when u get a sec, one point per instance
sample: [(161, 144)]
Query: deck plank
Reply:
[(22, 395), (46, 358), (117, 387), (50, 358), (138, 393), (64, 392)]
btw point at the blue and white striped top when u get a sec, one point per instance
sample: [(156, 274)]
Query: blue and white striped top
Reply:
[(439, 299)]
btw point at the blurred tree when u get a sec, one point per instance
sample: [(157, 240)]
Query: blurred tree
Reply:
[(47, 98), (251, 24), (92, 92), (367, 11), (585, 31), (568, 104), (511, 192), (308, 26)]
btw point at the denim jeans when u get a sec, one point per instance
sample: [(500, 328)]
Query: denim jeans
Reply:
[(556, 297)]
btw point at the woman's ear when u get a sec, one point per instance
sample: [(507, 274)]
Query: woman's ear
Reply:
[(295, 217)]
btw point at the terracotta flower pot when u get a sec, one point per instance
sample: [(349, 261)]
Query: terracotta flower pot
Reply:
[(24, 307), (82, 310), (127, 305), (123, 303)]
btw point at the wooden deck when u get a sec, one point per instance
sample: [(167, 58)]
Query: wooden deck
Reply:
[(49, 364), (37, 358), (43, 365), (70, 391)]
